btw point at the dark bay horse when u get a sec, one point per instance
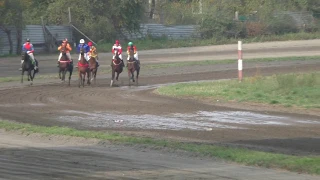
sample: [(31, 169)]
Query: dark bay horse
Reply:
[(28, 66), (93, 66), (65, 65), (83, 69), (132, 67), (117, 67)]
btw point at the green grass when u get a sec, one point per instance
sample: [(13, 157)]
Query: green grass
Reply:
[(229, 61), (162, 43), (297, 89), (304, 164)]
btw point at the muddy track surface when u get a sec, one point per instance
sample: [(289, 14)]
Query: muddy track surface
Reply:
[(37, 157), (137, 110)]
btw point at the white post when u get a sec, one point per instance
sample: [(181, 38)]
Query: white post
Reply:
[(69, 10), (240, 60), (236, 15)]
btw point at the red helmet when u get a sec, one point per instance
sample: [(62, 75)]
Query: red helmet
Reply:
[(117, 41), (90, 43)]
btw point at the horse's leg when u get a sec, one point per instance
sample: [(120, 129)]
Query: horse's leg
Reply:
[(92, 74), (112, 78), (34, 73), (59, 73), (88, 76), (117, 76), (84, 79), (118, 72), (22, 73), (132, 75), (79, 78), (138, 71), (129, 75), (30, 76), (64, 74), (95, 76), (70, 74)]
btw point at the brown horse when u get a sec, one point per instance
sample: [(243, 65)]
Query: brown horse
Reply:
[(116, 66), (65, 65), (132, 67), (83, 69), (93, 66)]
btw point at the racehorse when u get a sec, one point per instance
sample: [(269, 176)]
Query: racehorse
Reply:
[(28, 66), (116, 66), (132, 67), (93, 66), (83, 69), (65, 65)]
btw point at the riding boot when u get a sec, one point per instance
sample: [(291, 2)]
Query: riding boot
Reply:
[(122, 63), (34, 64)]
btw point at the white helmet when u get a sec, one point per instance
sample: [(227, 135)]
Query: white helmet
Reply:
[(81, 41)]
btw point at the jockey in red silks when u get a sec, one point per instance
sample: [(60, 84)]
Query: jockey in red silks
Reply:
[(117, 46), (28, 47)]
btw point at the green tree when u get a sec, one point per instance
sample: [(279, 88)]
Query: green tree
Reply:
[(11, 16), (99, 19)]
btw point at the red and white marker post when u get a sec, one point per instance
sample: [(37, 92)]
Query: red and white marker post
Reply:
[(240, 60)]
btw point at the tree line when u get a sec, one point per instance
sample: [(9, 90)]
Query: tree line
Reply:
[(103, 20)]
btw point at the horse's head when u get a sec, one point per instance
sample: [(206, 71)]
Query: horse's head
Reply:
[(24, 56), (116, 52), (63, 49), (131, 55), (82, 50)]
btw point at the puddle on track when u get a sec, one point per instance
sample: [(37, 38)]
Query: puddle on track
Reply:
[(21, 105), (202, 120)]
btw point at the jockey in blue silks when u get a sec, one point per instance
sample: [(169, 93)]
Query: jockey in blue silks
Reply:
[(86, 49)]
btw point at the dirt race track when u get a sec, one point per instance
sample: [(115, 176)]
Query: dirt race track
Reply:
[(136, 110)]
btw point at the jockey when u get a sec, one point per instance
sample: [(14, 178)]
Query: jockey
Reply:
[(93, 52), (28, 47), (86, 49), (117, 46), (135, 51), (68, 49)]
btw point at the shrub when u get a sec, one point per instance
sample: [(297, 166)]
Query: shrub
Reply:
[(219, 26), (282, 24)]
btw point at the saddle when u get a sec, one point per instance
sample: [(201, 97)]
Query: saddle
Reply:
[(83, 65), (115, 61)]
